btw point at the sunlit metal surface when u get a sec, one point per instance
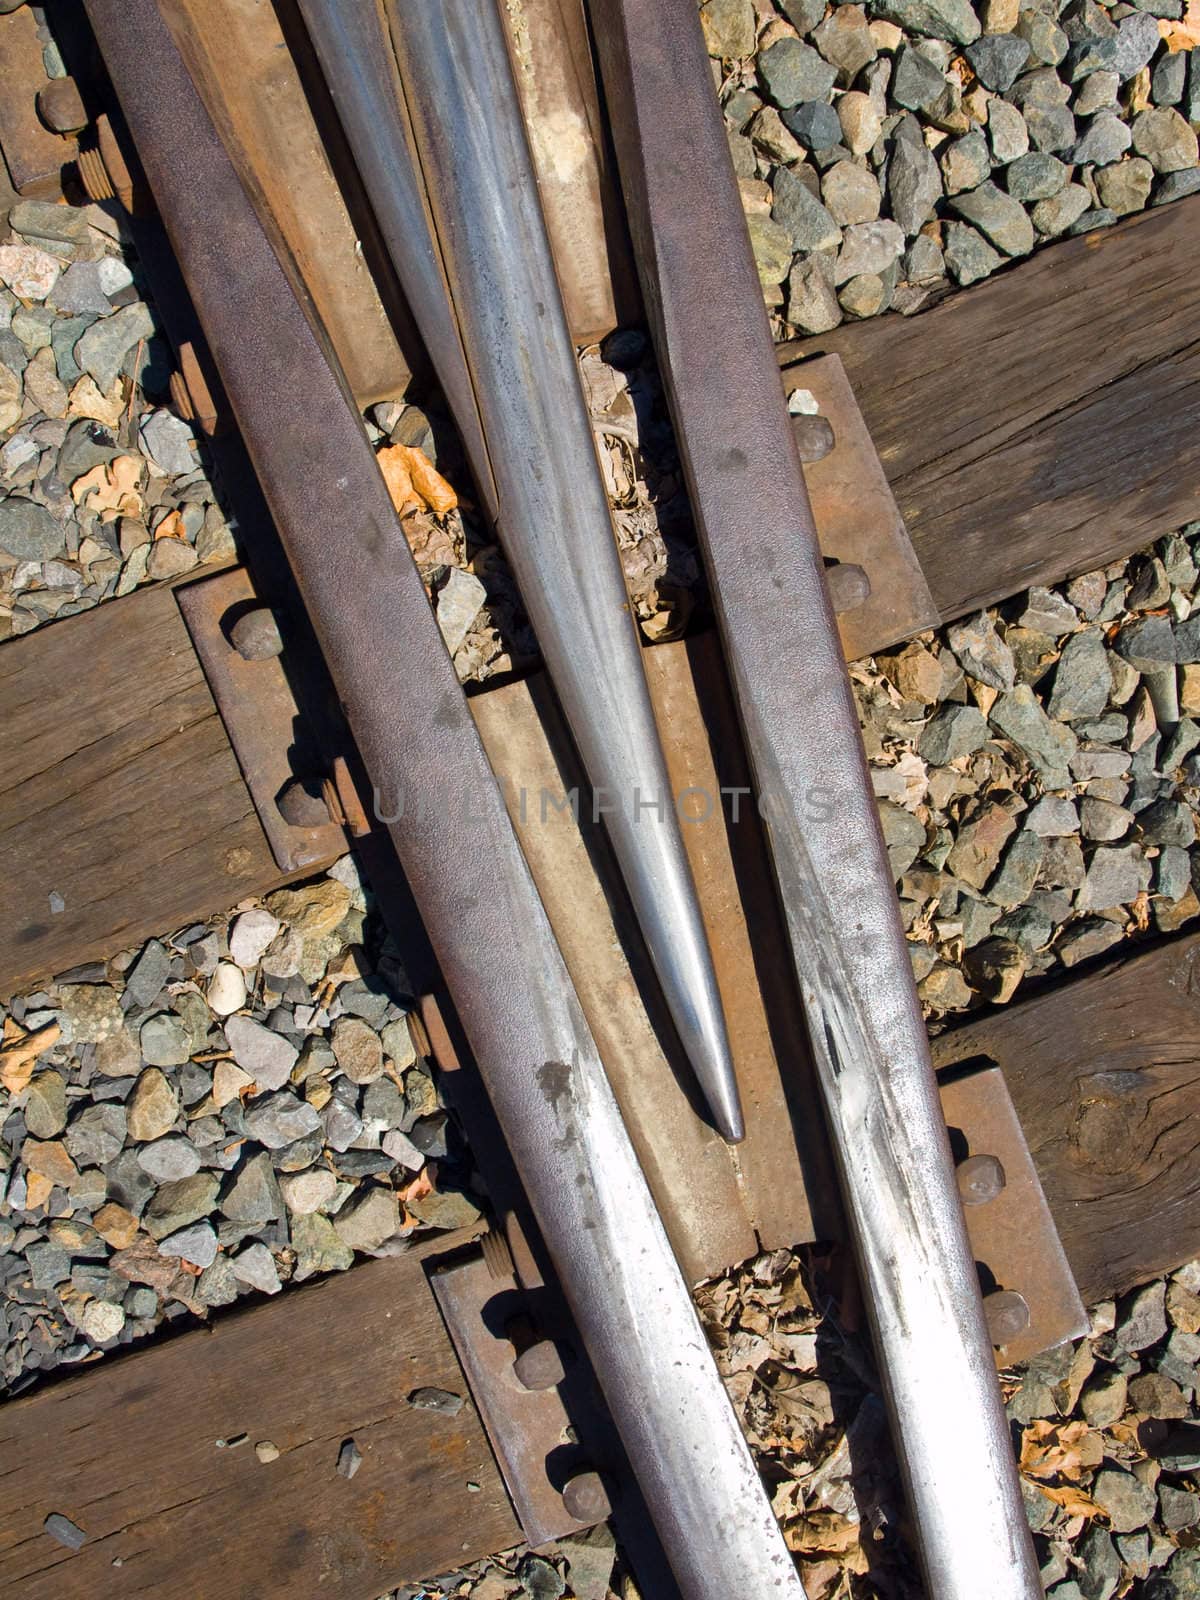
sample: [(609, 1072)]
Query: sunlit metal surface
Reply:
[(468, 875), (801, 729)]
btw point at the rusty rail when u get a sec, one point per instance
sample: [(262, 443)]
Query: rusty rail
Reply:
[(477, 900), (801, 728)]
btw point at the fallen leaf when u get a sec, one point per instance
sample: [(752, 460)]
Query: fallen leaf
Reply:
[(1073, 1501), (412, 479), (825, 1533), (171, 527), (1184, 34), (1140, 911), (17, 1058), (1054, 1450), (111, 489), (420, 1186)]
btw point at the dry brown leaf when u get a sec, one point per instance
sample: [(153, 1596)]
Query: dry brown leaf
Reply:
[(412, 479), (171, 527), (111, 489), (1184, 34), (417, 1190), (1073, 1501), (1053, 1450), (18, 1057), (825, 1533), (1140, 911)]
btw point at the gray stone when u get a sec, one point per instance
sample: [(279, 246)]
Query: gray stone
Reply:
[(177, 1205), (1026, 926), (1102, 819), (317, 1247), (1115, 878), (1049, 745), (1007, 133), (1148, 643), (1054, 816), (850, 193), (358, 1050), (1049, 613), (923, 261), (1036, 176), (1137, 40), (965, 163), (28, 532), (814, 124), (903, 835), (144, 981), (998, 216), (253, 1195), (1101, 1565), (1125, 186), (46, 1105), (1014, 882), (952, 732), (305, 1192), (938, 19), (772, 246), (845, 40), (63, 1531), (1143, 1319), (96, 1134), (79, 290), (1089, 55), (1168, 79), (169, 442), (997, 59), (1097, 92), (812, 304), (729, 28), (1105, 141), (1167, 823), (104, 347), (216, 1285), (793, 73), (276, 1120), (797, 209), (48, 1265), (266, 1056), (916, 82), (1103, 1399), (1173, 875), (863, 296), (1061, 212), (153, 1106), (868, 247), (1048, 44), (164, 1040), (982, 653), (914, 184), (167, 1160), (1082, 681), (195, 1244), (804, 14), (1180, 1508), (255, 1267), (1165, 139), (968, 254), (1128, 1503), (369, 1220)]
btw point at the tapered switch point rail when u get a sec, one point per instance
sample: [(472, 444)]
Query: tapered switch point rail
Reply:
[(554, 519), (801, 730), (473, 889)]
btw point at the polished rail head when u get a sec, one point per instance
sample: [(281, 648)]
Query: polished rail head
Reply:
[(554, 519)]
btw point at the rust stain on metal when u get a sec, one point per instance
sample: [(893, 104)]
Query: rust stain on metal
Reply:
[(1012, 1234)]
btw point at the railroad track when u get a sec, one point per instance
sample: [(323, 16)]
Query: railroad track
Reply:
[(1092, 1128)]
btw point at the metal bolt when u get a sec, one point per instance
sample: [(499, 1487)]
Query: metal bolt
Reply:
[(849, 586), (1007, 1314), (60, 106), (814, 437), (980, 1179), (496, 1253), (586, 1499), (540, 1366), (255, 635), (302, 805)]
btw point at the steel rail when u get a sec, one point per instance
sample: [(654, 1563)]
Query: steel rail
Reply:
[(469, 878), (554, 521), (801, 730), (350, 41)]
